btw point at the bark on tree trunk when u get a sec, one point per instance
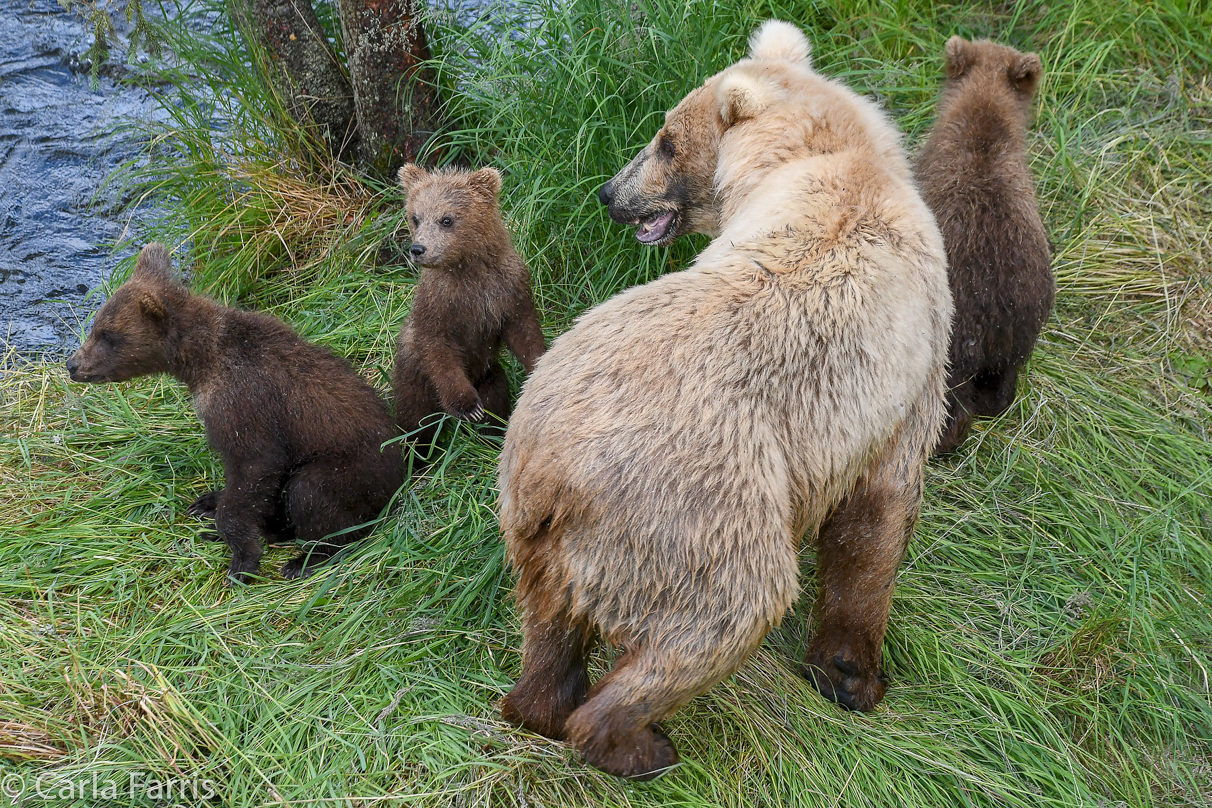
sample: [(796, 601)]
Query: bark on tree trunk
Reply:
[(395, 98), (303, 68)]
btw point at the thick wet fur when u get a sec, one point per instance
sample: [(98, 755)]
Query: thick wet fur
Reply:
[(473, 298), (301, 434), (973, 174), (671, 450)]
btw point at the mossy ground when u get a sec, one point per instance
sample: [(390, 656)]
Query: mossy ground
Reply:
[(1051, 636)]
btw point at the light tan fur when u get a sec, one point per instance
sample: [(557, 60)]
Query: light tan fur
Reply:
[(672, 449)]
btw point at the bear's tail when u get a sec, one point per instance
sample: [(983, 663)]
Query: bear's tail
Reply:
[(778, 41)]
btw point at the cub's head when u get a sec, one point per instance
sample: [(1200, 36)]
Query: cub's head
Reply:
[(128, 335), (990, 68), (669, 188), (451, 212)]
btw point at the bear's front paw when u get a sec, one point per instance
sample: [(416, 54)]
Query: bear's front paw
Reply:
[(240, 572), (204, 506), (843, 678), (297, 568), (468, 408)]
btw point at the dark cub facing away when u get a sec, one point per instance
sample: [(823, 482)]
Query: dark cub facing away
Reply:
[(473, 297), (301, 434), (973, 174)]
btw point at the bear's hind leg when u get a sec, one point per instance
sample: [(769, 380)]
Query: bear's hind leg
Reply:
[(615, 730), (494, 392), (418, 408), (996, 391), (324, 498), (554, 681), (959, 419), (860, 549)]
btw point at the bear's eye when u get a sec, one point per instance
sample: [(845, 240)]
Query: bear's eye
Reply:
[(447, 221), (106, 339), (666, 148), (416, 220)]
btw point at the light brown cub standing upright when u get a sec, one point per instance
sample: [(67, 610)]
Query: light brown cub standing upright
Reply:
[(671, 450), (973, 174), (473, 296)]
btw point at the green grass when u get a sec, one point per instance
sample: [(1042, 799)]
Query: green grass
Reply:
[(1051, 636)]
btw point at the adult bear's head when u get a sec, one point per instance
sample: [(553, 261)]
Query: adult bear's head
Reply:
[(670, 187)]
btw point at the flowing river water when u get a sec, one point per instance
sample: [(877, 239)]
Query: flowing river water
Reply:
[(58, 223)]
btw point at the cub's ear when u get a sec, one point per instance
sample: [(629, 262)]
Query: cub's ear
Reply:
[(778, 41), (153, 264), (742, 97), (1025, 73), (411, 175), (151, 305), (487, 180), (959, 57)]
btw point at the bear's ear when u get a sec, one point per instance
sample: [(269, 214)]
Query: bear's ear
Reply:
[(487, 180), (151, 305), (1024, 73), (410, 175), (778, 41), (742, 97), (153, 264), (959, 56)]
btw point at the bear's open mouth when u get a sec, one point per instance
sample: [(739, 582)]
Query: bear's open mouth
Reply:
[(656, 227)]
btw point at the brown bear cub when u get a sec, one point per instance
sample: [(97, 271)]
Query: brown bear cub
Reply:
[(301, 434), (473, 296), (973, 174)]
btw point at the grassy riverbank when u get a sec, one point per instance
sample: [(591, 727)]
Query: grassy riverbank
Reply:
[(1051, 638)]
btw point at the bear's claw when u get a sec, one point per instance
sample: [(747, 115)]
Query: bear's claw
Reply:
[(475, 415), (204, 506), (297, 568), (842, 681)]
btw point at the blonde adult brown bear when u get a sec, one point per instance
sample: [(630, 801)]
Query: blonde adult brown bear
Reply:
[(672, 448)]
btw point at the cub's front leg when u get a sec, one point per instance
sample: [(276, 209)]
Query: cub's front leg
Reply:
[(523, 334), (248, 502), (447, 370)]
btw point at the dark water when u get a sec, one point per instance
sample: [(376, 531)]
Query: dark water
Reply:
[(59, 221), (56, 148)]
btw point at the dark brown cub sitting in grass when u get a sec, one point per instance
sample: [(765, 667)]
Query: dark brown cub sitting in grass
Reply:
[(299, 431), (473, 296), (973, 174)]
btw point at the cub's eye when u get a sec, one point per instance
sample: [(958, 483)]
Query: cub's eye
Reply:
[(447, 221), (666, 148), (106, 338), (416, 220)]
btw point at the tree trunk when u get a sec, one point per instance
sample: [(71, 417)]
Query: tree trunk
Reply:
[(303, 68), (395, 96)]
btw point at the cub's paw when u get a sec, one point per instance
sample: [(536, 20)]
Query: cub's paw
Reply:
[(844, 679), (239, 574), (468, 408), (297, 568), (204, 506)]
